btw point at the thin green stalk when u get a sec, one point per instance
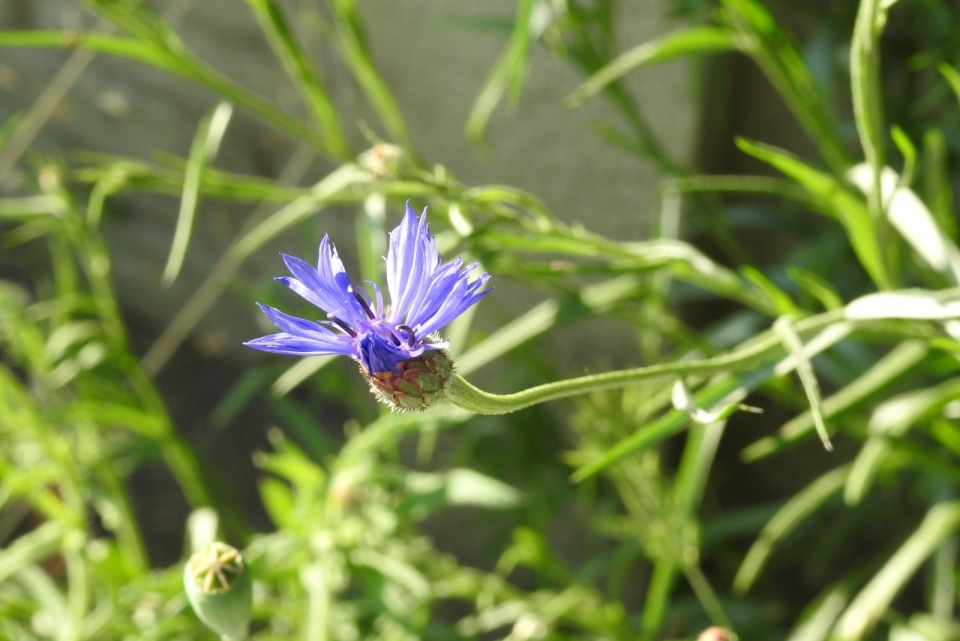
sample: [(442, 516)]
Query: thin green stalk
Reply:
[(706, 596), (464, 395), (658, 594)]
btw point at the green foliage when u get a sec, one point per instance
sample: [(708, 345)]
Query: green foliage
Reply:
[(853, 336)]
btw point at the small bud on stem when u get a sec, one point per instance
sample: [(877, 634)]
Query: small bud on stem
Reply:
[(220, 590)]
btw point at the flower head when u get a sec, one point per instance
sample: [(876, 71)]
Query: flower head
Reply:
[(397, 346)]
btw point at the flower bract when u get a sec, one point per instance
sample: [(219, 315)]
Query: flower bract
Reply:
[(387, 341)]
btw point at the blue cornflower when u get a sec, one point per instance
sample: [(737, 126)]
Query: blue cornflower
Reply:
[(397, 347)]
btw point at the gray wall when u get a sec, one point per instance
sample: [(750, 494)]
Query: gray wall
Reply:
[(435, 68)]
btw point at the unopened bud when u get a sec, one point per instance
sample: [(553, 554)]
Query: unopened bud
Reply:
[(717, 634), (418, 383), (220, 590)]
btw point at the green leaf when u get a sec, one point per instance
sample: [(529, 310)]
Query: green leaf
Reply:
[(729, 389), (909, 153), (937, 192), (784, 328), (31, 548), (779, 299), (906, 304), (952, 76), (130, 48), (874, 600), (786, 520), (462, 486), (356, 53), (758, 36), (507, 73), (909, 216), (206, 143), (816, 287), (890, 420), (899, 361), (835, 200), (298, 373), (867, 94), (308, 83), (818, 618), (693, 41)]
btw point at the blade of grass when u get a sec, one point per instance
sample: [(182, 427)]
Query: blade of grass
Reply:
[(259, 231), (818, 619), (817, 287), (206, 143), (658, 597), (293, 377)]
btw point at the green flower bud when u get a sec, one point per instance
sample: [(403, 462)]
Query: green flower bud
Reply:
[(419, 383), (220, 590)]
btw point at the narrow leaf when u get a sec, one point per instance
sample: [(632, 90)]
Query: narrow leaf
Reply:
[(206, 143), (783, 326), (874, 600), (786, 520), (693, 41)]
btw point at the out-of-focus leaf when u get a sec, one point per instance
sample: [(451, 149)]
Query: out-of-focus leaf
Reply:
[(786, 520), (759, 36), (462, 486), (779, 299), (835, 201), (134, 49), (693, 41), (952, 76), (308, 83), (867, 95), (31, 548), (784, 328), (900, 360), (909, 153), (913, 220), (937, 192), (206, 143), (817, 287), (906, 304), (508, 72), (890, 420), (819, 617), (872, 602)]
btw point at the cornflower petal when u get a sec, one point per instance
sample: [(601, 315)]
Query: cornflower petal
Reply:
[(412, 257), (378, 355), (284, 343), (327, 288)]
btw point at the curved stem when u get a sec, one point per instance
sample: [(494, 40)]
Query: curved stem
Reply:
[(463, 394)]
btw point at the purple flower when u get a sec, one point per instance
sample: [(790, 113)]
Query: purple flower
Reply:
[(425, 296)]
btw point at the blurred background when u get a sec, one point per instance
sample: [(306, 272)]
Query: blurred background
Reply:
[(157, 156)]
